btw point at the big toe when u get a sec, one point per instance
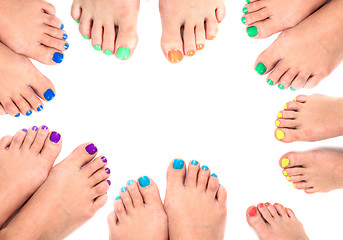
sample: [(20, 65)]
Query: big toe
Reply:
[(171, 42), (126, 41), (267, 60), (150, 192), (176, 174), (49, 145), (256, 221), (82, 155), (42, 86)]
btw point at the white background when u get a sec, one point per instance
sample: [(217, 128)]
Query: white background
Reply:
[(213, 107)]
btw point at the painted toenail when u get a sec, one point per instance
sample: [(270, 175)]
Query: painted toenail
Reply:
[(108, 52), (288, 178), (285, 106), (86, 37), (24, 130), (280, 134), (57, 57), (66, 46), (109, 182), (285, 173), (129, 182), (281, 87), (219, 21), (29, 113), (200, 46), (40, 108), (44, 127), (212, 38), (205, 168), (279, 115), (49, 94), (123, 189), (260, 68), (214, 175), (144, 181), (175, 56), (104, 159), (292, 89), (295, 99), (252, 31), (55, 137), (107, 170), (245, 10), (284, 162), (91, 149), (244, 20), (303, 191), (178, 164), (117, 198), (35, 128), (123, 53), (294, 185), (267, 204), (194, 162), (260, 205), (65, 36), (248, 1), (97, 48), (270, 82), (190, 53), (62, 26), (277, 123), (252, 211), (77, 21), (18, 115)]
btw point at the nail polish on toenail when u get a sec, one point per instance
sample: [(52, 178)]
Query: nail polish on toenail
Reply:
[(190, 53), (244, 20), (212, 38), (194, 162), (294, 185), (205, 168), (77, 21), (35, 128), (86, 37), (248, 1), (117, 198), (66, 46), (24, 130), (40, 108), (49, 95), (18, 115), (175, 56), (91, 149), (245, 10), (107, 170), (123, 53), (57, 57), (281, 87), (62, 26), (55, 137), (288, 178), (200, 46), (303, 191), (260, 205), (144, 181), (292, 89), (270, 82), (279, 115), (284, 162), (109, 182), (44, 127), (260, 68), (252, 31), (104, 159), (97, 48), (280, 134), (295, 99), (285, 106), (252, 212), (285, 173), (129, 182), (267, 204), (277, 123), (108, 52), (65, 36), (214, 175), (29, 113), (178, 164), (123, 189)]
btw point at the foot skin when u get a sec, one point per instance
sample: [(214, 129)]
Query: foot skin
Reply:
[(30, 28), (274, 222), (110, 24), (196, 210), (136, 205), (187, 24), (314, 171), (295, 63), (20, 89), (75, 189), (25, 162), (310, 118), (265, 18)]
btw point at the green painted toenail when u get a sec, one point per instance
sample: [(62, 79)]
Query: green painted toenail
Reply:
[(292, 89), (260, 68), (97, 47), (108, 52), (245, 10), (270, 82), (77, 21), (252, 31), (85, 37), (281, 87), (243, 20), (248, 1), (123, 53)]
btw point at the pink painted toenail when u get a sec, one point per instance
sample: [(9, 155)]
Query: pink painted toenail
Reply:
[(252, 212), (260, 205)]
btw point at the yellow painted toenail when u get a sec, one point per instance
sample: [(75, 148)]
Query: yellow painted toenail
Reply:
[(285, 107), (295, 99), (277, 123), (212, 37), (279, 115), (284, 162), (285, 173), (280, 134), (304, 190), (294, 185), (288, 178)]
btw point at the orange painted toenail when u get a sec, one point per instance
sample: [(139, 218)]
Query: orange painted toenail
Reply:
[(267, 204), (212, 37), (200, 46), (252, 212), (260, 205), (191, 53), (288, 178), (277, 123), (285, 173), (285, 106), (219, 21), (280, 134), (175, 56), (279, 115)]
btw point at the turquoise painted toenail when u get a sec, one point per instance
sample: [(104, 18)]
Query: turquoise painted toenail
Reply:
[(40, 108), (49, 94), (281, 87), (214, 175), (144, 181), (117, 198), (28, 113), (178, 164), (129, 182), (204, 168), (292, 89), (123, 189), (194, 162), (18, 115)]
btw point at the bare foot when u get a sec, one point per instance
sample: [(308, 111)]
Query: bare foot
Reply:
[(186, 24), (264, 18), (25, 162), (196, 210), (20, 89), (30, 28), (314, 171), (275, 223), (138, 204), (75, 189), (298, 58), (111, 24)]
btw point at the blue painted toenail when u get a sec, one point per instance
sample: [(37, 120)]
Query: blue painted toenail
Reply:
[(40, 108), (194, 162), (144, 181), (129, 182), (57, 57), (49, 94), (204, 168), (123, 189), (178, 164), (214, 175), (66, 46), (65, 36), (117, 198), (18, 115), (62, 26), (28, 113)]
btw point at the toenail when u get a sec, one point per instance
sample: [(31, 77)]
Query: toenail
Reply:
[(123, 53), (270, 82), (285, 106), (62, 26), (77, 21), (277, 123), (117, 198), (280, 134), (190, 53), (107, 170), (123, 189), (248, 1), (267, 204), (303, 191), (294, 185), (260, 205), (49, 94), (144, 181), (244, 20), (40, 108), (44, 127), (109, 182), (219, 21), (108, 52), (252, 211), (29, 113), (91, 149), (24, 130), (252, 31), (55, 137), (194, 162), (285, 173), (284, 162), (65, 36), (295, 99), (18, 115), (175, 56), (204, 168), (57, 57), (129, 182), (104, 159), (281, 87), (212, 38), (214, 175), (178, 164), (292, 89), (97, 48), (34, 128), (279, 115), (288, 178), (260, 68), (66, 46), (86, 37), (245, 10), (200, 46)]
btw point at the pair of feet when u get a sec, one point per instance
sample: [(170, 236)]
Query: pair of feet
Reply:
[(72, 191), (112, 25), (180, 216), (30, 29), (312, 118), (298, 58)]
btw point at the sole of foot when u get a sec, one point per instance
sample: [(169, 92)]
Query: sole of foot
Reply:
[(25, 162), (74, 190), (291, 62), (111, 25), (186, 25), (185, 195)]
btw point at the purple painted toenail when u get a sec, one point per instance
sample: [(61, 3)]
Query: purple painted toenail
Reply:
[(24, 130), (34, 128), (44, 127), (109, 182), (55, 137), (107, 170), (91, 149), (104, 159)]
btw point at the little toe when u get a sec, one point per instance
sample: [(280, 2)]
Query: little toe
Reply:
[(213, 185), (126, 41), (99, 202), (256, 221), (251, 18), (23, 105), (53, 21), (292, 106), (192, 174), (136, 196), (85, 26), (18, 139), (119, 209), (100, 175), (82, 155), (97, 33), (290, 213), (75, 11), (52, 146), (300, 98), (150, 193), (200, 36), (2, 110), (30, 137), (203, 177), (59, 44), (127, 200), (101, 188), (42, 134), (48, 8), (176, 174), (286, 135), (32, 99), (10, 107), (220, 13), (266, 61), (222, 196), (299, 82), (112, 221), (286, 123), (189, 40), (92, 167), (265, 212), (108, 39), (5, 142), (211, 27), (313, 81), (171, 42), (280, 209)]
